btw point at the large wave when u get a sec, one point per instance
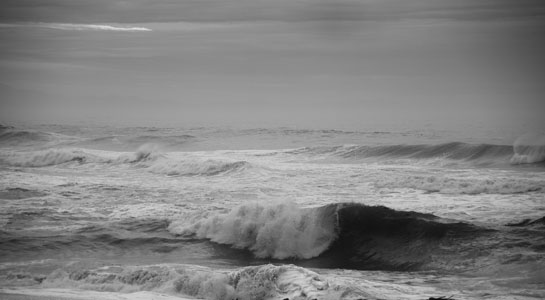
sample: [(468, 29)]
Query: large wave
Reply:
[(338, 235)]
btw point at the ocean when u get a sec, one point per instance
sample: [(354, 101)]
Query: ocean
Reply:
[(104, 212)]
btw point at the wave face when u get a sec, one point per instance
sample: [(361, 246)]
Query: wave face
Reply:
[(479, 153), (148, 156), (12, 137), (345, 235), (207, 167), (48, 157), (380, 238)]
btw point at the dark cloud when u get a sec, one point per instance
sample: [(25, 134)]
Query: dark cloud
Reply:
[(135, 11)]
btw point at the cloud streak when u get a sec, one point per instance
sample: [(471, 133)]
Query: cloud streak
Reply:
[(76, 27)]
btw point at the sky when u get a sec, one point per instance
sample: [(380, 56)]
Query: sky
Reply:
[(257, 63)]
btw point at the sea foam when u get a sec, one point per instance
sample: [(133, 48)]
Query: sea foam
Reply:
[(529, 148), (196, 167), (247, 283), (269, 230)]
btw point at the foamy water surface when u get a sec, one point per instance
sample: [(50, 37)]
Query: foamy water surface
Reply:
[(212, 214)]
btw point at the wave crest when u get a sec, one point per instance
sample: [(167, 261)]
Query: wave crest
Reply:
[(279, 231), (337, 235), (48, 157), (462, 185), (197, 167), (479, 153), (529, 149)]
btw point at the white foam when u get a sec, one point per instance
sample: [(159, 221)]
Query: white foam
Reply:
[(462, 185), (279, 230), (193, 167), (265, 282), (74, 294), (529, 148)]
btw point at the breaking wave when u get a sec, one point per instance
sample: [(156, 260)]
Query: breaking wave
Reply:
[(279, 231), (345, 235), (529, 148), (148, 157), (462, 185), (247, 283)]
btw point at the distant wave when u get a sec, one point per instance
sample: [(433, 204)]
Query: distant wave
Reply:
[(132, 142), (48, 157), (336, 236), (12, 137), (450, 151), (293, 131), (148, 157)]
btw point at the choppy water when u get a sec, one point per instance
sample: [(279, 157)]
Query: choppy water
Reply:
[(271, 213)]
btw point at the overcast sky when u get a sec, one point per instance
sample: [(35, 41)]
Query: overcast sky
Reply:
[(307, 63)]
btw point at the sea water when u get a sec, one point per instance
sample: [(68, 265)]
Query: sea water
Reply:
[(269, 213)]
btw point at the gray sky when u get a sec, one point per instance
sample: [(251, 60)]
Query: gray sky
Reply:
[(308, 63)]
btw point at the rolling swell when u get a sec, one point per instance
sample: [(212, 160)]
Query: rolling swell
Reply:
[(48, 157), (127, 235), (12, 137), (455, 151), (347, 235), (197, 168), (147, 156)]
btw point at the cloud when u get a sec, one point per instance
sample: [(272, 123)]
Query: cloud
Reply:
[(161, 11), (77, 27)]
